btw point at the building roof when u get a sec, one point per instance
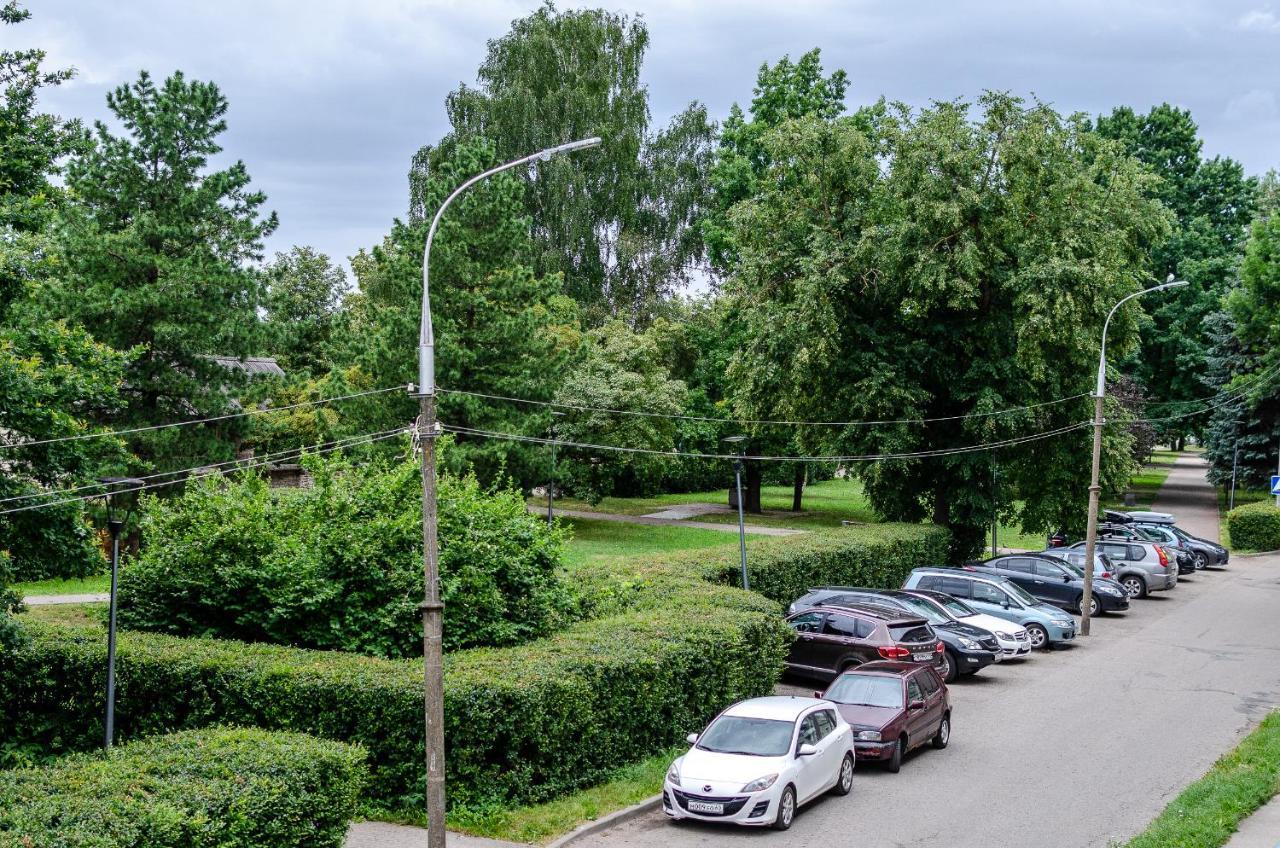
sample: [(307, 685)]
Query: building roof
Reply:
[(250, 364)]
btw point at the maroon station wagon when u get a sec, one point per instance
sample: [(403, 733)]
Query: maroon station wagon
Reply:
[(892, 707)]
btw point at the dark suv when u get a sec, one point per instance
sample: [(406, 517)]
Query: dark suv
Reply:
[(967, 649), (837, 638), (1049, 580)]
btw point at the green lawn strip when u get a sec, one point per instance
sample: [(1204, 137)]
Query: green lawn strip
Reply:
[(76, 614), (595, 540), (1147, 482), (72, 586), (544, 822), (1209, 810)]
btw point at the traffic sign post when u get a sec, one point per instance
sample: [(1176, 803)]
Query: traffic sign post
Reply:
[(1275, 484)]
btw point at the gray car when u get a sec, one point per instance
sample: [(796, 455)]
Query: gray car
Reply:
[(1141, 567)]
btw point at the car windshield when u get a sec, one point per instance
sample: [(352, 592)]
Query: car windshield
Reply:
[(1180, 533), (956, 607), (866, 690), (1150, 534), (756, 737), (924, 609), (1020, 593)]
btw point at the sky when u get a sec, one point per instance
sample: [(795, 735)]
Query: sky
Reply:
[(329, 99)]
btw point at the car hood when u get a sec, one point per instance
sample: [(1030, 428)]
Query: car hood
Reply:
[(1051, 611), (991, 624), (859, 715), (699, 766), (960, 628)]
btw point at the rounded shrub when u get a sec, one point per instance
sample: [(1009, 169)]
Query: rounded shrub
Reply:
[(1255, 527)]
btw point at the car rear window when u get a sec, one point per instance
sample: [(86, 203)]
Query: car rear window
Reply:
[(911, 633)]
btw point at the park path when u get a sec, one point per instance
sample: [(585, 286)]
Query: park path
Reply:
[(655, 521), (1189, 495), (45, 600)]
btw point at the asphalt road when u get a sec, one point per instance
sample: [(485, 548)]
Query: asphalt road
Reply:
[(1077, 747)]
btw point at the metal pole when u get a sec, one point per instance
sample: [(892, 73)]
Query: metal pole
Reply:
[(1235, 464), (742, 526), (432, 608), (995, 518), (551, 484), (113, 526), (1278, 472)]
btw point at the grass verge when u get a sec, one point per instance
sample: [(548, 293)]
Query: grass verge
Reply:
[(73, 586), (1208, 811), (596, 540), (75, 614)]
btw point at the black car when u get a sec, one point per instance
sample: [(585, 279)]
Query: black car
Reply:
[(1049, 580), (968, 648)]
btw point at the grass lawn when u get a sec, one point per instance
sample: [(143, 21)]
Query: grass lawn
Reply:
[(544, 822), (593, 540), (1147, 482), (73, 586), (1208, 811), (69, 613)]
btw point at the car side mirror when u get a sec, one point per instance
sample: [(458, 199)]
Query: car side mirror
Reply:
[(1005, 603), (692, 738), (915, 705), (1066, 578), (817, 694), (806, 750)]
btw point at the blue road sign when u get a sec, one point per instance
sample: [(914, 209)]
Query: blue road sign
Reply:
[(1275, 484)]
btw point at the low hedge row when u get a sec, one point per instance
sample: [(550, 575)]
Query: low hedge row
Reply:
[(673, 643), (224, 787), (1255, 527)]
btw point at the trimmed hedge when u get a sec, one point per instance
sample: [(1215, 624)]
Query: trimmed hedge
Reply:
[(1255, 527), (223, 787), (672, 644)]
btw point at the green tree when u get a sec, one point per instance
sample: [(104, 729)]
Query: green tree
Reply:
[(303, 296), (929, 265), (500, 328), (1213, 203), (617, 222), (156, 246)]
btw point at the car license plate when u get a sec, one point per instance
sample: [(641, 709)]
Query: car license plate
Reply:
[(706, 807), (924, 657)]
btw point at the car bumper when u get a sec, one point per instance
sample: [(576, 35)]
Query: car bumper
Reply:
[(1013, 650), (970, 661), (753, 808), (1110, 603), (1156, 584), (1061, 633), (873, 751)]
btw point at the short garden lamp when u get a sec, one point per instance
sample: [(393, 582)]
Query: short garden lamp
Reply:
[(121, 496), (739, 443)]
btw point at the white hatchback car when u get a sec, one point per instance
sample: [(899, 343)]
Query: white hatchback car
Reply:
[(759, 760)]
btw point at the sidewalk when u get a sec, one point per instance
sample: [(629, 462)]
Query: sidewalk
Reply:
[(653, 521), (1260, 830), (372, 834), (45, 600), (1190, 497)]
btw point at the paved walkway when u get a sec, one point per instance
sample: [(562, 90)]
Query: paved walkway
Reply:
[(383, 835), (653, 521), (44, 600), (1260, 830), (1190, 497)]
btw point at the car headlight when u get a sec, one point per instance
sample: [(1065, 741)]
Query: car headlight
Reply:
[(673, 774), (868, 736), (1008, 637), (1109, 590), (968, 644), (760, 784), (1063, 622)]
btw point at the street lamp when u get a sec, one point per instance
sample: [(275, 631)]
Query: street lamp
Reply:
[(551, 484), (432, 608), (739, 443), (1095, 486), (120, 503)]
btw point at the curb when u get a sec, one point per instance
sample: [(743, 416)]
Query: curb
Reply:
[(609, 821), (1255, 554)]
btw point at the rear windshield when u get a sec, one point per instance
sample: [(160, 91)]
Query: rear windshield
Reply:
[(911, 633)]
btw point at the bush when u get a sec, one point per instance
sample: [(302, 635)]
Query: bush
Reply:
[(1255, 527), (339, 566), (672, 645), (223, 787)]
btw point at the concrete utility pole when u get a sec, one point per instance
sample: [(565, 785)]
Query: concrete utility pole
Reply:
[(1095, 484), (432, 608)]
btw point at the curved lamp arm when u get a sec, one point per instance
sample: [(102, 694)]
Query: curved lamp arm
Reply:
[(426, 336), (1170, 283)]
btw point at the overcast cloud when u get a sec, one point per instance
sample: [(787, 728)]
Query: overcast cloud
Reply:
[(330, 98)]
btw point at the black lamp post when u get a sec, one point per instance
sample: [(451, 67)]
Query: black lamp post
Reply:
[(551, 484), (120, 497), (739, 443)]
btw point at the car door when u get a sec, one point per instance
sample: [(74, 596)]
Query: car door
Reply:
[(1021, 570), (917, 718), (987, 598), (811, 771), (1052, 584), (932, 686), (808, 651), (845, 637), (832, 751)]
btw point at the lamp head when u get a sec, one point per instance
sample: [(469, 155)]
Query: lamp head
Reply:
[(569, 147), (121, 494)]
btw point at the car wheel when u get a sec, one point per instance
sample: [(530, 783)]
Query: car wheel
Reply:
[(1202, 561), (943, 736), (1038, 635), (1095, 606), (1135, 586), (895, 761), (950, 668), (844, 783), (786, 809)]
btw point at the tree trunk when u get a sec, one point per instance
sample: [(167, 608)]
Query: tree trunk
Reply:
[(797, 486), (752, 477)]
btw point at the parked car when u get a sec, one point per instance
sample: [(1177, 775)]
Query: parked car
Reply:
[(1048, 579), (1046, 625), (1164, 536), (1205, 552), (833, 639), (1010, 636), (759, 761), (1143, 567), (892, 707), (967, 649)]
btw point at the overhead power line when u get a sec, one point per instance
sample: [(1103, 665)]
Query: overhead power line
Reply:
[(244, 466), (263, 411), (762, 421)]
